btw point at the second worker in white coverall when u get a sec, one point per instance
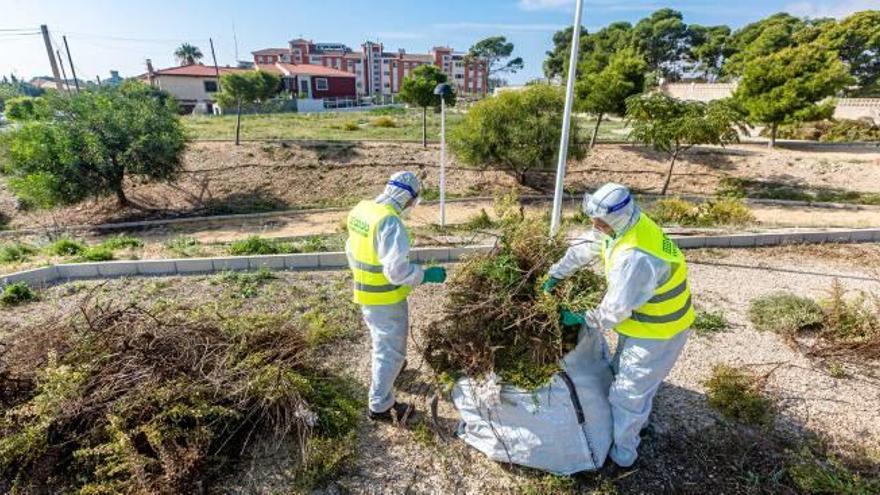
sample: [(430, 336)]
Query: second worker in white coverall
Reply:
[(647, 302), (378, 249)]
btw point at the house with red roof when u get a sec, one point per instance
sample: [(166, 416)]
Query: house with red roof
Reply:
[(193, 86)]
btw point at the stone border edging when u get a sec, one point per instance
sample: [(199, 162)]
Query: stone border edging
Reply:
[(336, 260)]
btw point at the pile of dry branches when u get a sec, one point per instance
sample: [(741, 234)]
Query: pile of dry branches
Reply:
[(132, 401), (497, 319)]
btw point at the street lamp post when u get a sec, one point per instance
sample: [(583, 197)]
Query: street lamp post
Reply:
[(443, 90), (566, 119)]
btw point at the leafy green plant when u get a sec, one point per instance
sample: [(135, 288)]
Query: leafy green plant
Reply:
[(351, 126), (122, 241), (718, 212), (384, 122), (785, 313), (247, 284), (709, 322), (17, 293), (739, 395), (65, 247), (480, 221), (185, 246), (827, 473), (417, 90), (16, 252), (255, 245), (96, 253)]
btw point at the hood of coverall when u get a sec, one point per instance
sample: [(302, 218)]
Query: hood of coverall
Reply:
[(400, 189), (614, 205)]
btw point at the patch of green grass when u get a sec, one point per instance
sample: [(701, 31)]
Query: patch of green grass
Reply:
[(709, 322), (480, 221), (96, 253), (836, 370), (827, 474), (785, 313), (17, 293), (122, 241), (738, 394), (735, 187), (65, 247), (720, 212), (246, 284), (350, 126), (423, 434), (185, 247), (256, 245), (16, 252)]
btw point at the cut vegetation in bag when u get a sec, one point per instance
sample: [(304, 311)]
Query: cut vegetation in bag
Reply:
[(498, 320)]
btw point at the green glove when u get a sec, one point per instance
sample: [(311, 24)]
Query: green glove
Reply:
[(570, 319), (434, 275), (550, 284)]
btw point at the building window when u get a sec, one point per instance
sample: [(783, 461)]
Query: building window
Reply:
[(210, 86), (459, 76), (321, 84)]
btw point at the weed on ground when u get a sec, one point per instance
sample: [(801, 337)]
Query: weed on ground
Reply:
[(739, 395), (710, 322), (713, 213), (17, 293)]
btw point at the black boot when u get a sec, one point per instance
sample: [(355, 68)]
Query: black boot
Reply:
[(400, 412)]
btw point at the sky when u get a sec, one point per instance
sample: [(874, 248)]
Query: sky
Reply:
[(104, 35)]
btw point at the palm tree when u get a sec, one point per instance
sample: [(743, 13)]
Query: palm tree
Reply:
[(188, 54)]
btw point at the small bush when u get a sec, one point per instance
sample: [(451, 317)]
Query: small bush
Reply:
[(16, 252), (785, 313), (739, 395), (66, 247), (826, 473), (384, 122), (480, 221), (708, 322), (97, 253), (122, 242), (184, 246), (835, 131), (720, 212), (17, 293), (350, 126), (256, 245), (853, 320)]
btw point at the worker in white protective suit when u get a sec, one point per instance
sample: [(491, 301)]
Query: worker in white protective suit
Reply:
[(378, 249), (648, 303)]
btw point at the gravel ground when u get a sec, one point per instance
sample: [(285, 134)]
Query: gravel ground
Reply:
[(396, 460)]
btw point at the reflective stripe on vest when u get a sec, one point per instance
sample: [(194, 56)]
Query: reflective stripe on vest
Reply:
[(670, 310), (371, 287)]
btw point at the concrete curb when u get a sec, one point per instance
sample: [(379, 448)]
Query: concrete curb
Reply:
[(337, 260)]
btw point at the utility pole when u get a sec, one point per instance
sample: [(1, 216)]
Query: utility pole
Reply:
[(216, 67), (70, 60), (63, 73), (235, 42), (556, 218), (45, 31)]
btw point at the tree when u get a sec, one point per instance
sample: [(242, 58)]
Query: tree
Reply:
[(418, 90), (517, 131), (604, 92), (15, 88), (708, 48), (246, 88), (674, 126), (91, 141), (496, 51), (663, 39), (856, 39), (760, 39), (187, 54), (786, 85)]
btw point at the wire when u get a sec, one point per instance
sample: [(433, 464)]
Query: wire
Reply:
[(20, 29), (132, 40)]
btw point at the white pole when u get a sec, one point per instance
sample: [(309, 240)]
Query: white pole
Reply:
[(566, 119), (442, 160)]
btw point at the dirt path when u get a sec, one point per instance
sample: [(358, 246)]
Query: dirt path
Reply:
[(223, 178)]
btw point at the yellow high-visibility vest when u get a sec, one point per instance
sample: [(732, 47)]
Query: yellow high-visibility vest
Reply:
[(671, 310), (371, 287)]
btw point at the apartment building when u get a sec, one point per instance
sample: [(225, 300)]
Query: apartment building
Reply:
[(378, 72)]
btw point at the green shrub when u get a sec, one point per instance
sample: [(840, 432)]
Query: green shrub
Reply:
[(350, 126), (256, 245), (725, 211), (97, 253), (16, 252), (827, 474), (854, 320), (836, 131), (247, 284), (66, 247), (17, 293), (708, 322), (122, 241), (480, 221), (384, 121), (185, 246), (785, 313), (739, 395), (672, 211)]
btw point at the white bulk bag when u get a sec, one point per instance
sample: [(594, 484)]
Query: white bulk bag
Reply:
[(563, 427)]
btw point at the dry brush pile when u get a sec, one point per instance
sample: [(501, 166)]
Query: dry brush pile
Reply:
[(130, 400), (496, 317)]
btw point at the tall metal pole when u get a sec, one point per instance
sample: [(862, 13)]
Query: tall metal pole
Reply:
[(216, 67), (70, 61), (63, 72), (45, 31), (443, 160), (566, 119)]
